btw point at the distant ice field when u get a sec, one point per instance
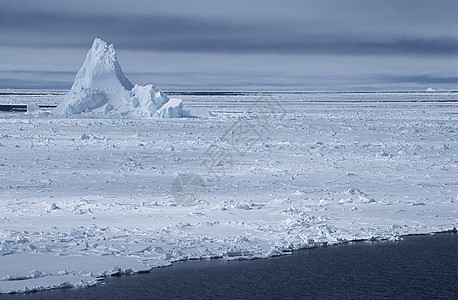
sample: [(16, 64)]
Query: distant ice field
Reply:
[(54, 97), (249, 175)]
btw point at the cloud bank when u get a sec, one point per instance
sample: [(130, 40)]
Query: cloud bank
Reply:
[(414, 30)]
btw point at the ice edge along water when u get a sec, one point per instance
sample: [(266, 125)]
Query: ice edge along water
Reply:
[(80, 279)]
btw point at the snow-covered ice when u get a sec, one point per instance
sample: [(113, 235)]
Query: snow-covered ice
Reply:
[(89, 197), (32, 108), (102, 89)]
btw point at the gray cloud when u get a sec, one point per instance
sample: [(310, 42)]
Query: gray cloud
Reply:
[(162, 32), (419, 79), (210, 44), (174, 81)]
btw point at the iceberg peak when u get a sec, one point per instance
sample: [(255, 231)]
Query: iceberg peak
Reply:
[(101, 67)]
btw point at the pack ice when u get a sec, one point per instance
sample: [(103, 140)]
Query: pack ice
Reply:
[(101, 88), (83, 198)]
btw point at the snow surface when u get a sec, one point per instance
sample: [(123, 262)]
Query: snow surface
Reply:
[(86, 197), (32, 108), (101, 89)]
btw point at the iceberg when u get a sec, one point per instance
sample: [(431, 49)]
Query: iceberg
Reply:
[(101, 88)]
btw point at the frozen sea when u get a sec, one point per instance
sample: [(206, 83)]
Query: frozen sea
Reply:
[(249, 175)]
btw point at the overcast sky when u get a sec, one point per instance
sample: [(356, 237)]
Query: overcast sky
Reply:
[(236, 45)]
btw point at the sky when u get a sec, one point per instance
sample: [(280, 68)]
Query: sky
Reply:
[(353, 45)]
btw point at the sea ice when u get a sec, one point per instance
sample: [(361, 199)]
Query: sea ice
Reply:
[(89, 197)]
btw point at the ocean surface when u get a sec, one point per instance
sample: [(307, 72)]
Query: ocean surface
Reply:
[(418, 267)]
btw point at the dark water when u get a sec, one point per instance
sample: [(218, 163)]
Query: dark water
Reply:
[(419, 267)]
